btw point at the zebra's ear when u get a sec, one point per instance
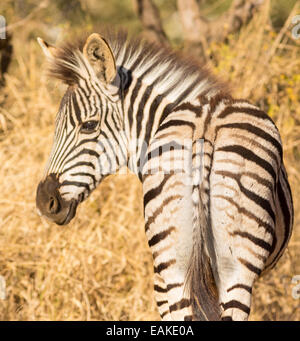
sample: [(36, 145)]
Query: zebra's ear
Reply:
[(101, 58), (48, 49)]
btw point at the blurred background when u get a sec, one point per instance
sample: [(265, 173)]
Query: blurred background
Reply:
[(99, 266)]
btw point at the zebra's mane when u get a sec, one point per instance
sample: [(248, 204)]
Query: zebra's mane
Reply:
[(172, 72)]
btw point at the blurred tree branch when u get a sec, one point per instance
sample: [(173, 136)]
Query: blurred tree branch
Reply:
[(6, 46), (198, 31), (149, 15), (23, 21), (239, 15)]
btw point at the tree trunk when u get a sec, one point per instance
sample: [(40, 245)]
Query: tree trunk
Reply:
[(150, 18)]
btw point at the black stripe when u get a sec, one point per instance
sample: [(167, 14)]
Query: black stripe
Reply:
[(126, 81), (151, 116), (134, 94), (86, 141), (152, 193), (78, 92), (86, 174), (112, 148), (70, 116), (82, 152), (167, 110), (152, 111), (76, 108), (256, 131), (240, 286), (250, 266), (249, 111), (159, 289), (62, 149), (164, 148), (190, 107), (87, 88), (174, 285), (238, 305), (269, 228), (249, 155), (175, 123), (160, 236), (75, 183), (164, 314), (285, 208), (257, 241), (115, 115), (82, 163), (265, 204), (140, 115), (160, 303), (153, 106), (148, 130), (163, 266), (111, 129), (287, 216)]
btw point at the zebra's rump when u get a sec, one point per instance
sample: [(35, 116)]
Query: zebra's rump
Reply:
[(250, 198)]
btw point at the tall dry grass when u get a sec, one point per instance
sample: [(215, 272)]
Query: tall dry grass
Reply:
[(99, 266)]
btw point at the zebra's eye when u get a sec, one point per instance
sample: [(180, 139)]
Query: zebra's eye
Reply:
[(89, 126)]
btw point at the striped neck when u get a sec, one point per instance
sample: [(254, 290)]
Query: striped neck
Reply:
[(146, 107)]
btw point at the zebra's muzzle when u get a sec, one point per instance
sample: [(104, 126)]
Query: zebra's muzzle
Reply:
[(50, 203)]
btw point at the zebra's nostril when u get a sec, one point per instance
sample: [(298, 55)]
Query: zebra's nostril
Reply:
[(53, 206)]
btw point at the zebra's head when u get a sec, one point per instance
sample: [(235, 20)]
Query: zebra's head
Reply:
[(88, 127)]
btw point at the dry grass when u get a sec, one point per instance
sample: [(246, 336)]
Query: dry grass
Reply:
[(99, 266)]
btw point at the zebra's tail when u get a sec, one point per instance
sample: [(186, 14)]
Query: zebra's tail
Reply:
[(200, 281)]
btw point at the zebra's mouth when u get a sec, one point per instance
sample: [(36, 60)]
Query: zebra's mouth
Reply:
[(70, 215), (50, 203)]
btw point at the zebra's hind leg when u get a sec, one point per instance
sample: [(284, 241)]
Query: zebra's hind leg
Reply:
[(243, 241), (241, 258), (243, 217), (171, 300), (160, 291), (235, 296)]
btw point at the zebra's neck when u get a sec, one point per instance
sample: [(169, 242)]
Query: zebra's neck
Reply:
[(147, 105)]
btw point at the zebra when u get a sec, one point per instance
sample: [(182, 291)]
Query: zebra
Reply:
[(217, 202)]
